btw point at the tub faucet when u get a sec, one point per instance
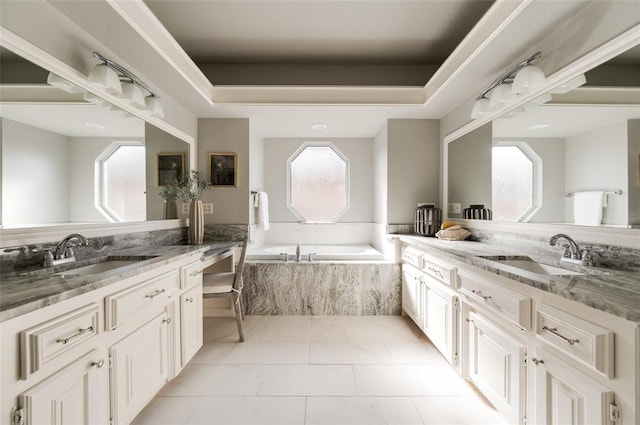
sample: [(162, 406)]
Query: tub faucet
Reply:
[(299, 252)]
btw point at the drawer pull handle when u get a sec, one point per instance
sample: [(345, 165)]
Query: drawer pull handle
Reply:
[(479, 293), (536, 361), (189, 300), (167, 320), (77, 334), (155, 293), (435, 271), (194, 274), (98, 364), (559, 335)]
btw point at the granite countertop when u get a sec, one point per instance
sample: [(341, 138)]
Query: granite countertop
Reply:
[(33, 288), (611, 290)]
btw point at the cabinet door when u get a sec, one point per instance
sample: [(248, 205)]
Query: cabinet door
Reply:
[(497, 367), (411, 292), (190, 323), (140, 367), (439, 319), (564, 395), (76, 395)]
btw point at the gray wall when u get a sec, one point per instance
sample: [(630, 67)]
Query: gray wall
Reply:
[(380, 159), (359, 151), (158, 141), (230, 204), (35, 180), (634, 171), (413, 167), (470, 169), (595, 162)]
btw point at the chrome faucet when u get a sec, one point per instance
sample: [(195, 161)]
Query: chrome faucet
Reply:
[(299, 252), (572, 252), (64, 252)]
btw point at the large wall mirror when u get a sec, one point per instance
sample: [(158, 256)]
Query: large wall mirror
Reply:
[(68, 157), (529, 164)]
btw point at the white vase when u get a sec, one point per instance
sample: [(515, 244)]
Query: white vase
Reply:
[(196, 223)]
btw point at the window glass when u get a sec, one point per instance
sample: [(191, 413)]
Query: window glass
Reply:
[(124, 184), (512, 181), (318, 183)]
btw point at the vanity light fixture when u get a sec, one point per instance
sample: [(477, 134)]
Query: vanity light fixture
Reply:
[(59, 82), (501, 91), (131, 88)]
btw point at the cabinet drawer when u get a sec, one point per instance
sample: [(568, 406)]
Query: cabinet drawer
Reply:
[(123, 304), (412, 256), (509, 304), (588, 343), (445, 274), (46, 341), (191, 274)]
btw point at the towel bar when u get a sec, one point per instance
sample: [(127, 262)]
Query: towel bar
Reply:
[(607, 192)]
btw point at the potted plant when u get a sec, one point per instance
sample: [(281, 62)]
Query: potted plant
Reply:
[(170, 193), (190, 188)]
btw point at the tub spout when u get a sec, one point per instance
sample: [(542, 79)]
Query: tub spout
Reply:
[(299, 252)]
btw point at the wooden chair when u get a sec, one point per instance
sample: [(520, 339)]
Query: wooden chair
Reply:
[(228, 284)]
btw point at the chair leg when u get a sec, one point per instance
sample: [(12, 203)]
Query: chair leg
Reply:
[(241, 306), (238, 313)]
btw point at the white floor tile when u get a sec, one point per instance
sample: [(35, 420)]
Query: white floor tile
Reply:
[(305, 380), (409, 380), (414, 352), (349, 353), (456, 411), (204, 380), (381, 328), (249, 411), (167, 411), (216, 353), (361, 411), (269, 353)]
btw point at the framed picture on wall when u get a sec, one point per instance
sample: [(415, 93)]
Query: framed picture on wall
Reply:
[(170, 167), (223, 168)]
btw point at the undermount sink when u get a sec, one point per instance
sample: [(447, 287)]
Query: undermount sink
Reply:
[(529, 265), (110, 263)]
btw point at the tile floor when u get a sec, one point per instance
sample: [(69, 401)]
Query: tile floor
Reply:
[(316, 370)]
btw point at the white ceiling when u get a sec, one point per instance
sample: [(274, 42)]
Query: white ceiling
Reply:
[(70, 120), (312, 31), (564, 120)]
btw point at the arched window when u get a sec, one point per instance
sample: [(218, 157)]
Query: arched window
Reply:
[(318, 183), (516, 178), (122, 182)]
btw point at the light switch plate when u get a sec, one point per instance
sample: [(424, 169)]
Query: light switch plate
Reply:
[(207, 207), (185, 208), (455, 208)]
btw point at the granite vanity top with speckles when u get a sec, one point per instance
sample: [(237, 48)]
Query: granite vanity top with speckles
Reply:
[(33, 288), (611, 290)]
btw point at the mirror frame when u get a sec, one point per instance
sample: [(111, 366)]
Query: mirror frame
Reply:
[(31, 235), (628, 237)]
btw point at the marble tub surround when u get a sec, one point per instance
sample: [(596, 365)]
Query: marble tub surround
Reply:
[(615, 291), (322, 288), (225, 232), (24, 256), (33, 288), (400, 229)]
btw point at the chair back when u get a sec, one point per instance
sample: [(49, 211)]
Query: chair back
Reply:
[(237, 282)]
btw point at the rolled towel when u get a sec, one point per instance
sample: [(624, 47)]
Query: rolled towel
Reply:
[(453, 235)]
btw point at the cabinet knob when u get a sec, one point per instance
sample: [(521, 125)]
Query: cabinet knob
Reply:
[(167, 320), (536, 361), (189, 300), (98, 364)]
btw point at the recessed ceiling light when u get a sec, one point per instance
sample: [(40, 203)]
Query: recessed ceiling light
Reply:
[(319, 126), (539, 126), (94, 125)]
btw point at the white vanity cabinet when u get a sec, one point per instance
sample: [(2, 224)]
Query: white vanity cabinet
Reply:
[(411, 292), (100, 357)]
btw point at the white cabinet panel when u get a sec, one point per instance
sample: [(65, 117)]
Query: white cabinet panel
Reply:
[(497, 367), (190, 323), (140, 367), (563, 395), (440, 318), (411, 298), (76, 395)]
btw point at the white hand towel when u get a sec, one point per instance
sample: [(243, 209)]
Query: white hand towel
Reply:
[(587, 208), (262, 203)]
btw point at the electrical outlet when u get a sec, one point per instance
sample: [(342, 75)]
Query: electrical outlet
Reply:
[(207, 207), (455, 208), (185, 208)]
